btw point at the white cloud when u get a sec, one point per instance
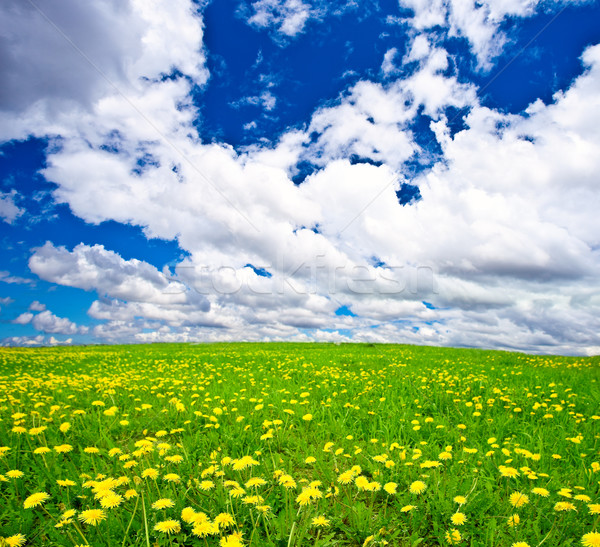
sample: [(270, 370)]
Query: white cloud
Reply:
[(49, 323), (37, 306), (6, 277), (288, 17), (478, 22), (23, 340), (88, 58), (9, 211), (95, 268), (388, 67), (24, 318)]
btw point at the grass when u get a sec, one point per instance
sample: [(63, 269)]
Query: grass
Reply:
[(297, 444)]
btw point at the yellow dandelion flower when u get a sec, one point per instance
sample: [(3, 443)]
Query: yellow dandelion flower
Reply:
[(458, 519), (14, 474), (170, 526), (417, 487), (453, 536), (163, 503), (36, 499), (206, 528), (14, 541), (517, 499), (460, 499), (320, 521), (564, 506), (172, 477), (513, 520), (92, 516), (520, 544), (390, 488), (188, 514), (594, 508), (255, 481), (224, 520), (591, 540), (408, 508), (509, 472), (111, 500), (233, 540), (150, 473), (540, 492)]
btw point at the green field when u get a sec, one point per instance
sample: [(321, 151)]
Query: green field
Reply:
[(297, 444)]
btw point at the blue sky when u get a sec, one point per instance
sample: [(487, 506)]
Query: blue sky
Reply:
[(385, 171)]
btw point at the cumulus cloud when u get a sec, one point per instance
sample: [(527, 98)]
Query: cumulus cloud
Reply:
[(9, 211), (23, 319), (49, 323), (95, 268), (78, 56)]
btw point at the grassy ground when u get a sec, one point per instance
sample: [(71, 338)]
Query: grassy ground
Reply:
[(297, 444)]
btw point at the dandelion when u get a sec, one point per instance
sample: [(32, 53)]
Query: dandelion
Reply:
[(233, 540), (407, 508), (458, 519), (36, 499), (14, 474), (14, 541), (390, 488), (307, 417), (255, 481), (417, 487), (92, 516), (591, 540), (170, 526), (172, 477), (541, 492), (513, 520), (453, 536), (460, 499), (163, 503), (150, 473), (594, 508), (111, 500), (206, 528), (517, 499), (564, 506), (320, 521), (244, 462), (520, 544), (509, 472), (68, 514), (206, 485), (224, 520)]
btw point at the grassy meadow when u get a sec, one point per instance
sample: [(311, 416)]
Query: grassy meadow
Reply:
[(297, 445)]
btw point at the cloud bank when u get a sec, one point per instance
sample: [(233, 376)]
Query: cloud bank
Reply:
[(500, 251)]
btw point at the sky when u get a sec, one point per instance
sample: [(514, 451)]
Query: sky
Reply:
[(407, 171)]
